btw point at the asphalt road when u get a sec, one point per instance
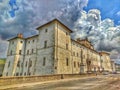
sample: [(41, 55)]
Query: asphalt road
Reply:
[(106, 82)]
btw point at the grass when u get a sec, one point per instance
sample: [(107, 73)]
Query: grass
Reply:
[(2, 61)]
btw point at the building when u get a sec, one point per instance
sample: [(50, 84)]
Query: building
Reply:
[(117, 67), (52, 51), (105, 61), (113, 66)]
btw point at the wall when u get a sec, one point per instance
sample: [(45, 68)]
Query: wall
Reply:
[(45, 55), (30, 79), (106, 64), (62, 50), (30, 56), (15, 45)]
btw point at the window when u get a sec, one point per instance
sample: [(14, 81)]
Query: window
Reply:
[(18, 64), (67, 46), (28, 41), (27, 51), (46, 30), (78, 64), (67, 62), (17, 74), (11, 52), (20, 52), (44, 61), (74, 64), (26, 64), (66, 33), (7, 74), (45, 44), (77, 54), (29, 73), (55, 67), (30, 63), (25, 74), (21, 41), (33, 41), (32, 50), (9, 64)]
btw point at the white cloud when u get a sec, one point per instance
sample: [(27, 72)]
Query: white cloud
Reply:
[(34, 13), (118, 13), (102, 33)]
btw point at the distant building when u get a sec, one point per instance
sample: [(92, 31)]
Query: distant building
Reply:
[(113, 66), (105, 61), (117, 66), (53, 51)]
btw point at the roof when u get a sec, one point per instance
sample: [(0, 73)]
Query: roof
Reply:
[(53, 21), (14, 38), (85, 46), (22, 38), (31, 36), (105, 53)]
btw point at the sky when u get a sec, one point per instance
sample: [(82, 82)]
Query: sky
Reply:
[(98, 20), (108, 8)]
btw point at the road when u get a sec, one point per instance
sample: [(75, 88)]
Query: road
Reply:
[(104, 82)]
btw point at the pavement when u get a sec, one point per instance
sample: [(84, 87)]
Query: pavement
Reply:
[(100, 82)]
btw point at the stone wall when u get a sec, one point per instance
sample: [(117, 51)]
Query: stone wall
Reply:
[(31, 79), (27, 79)]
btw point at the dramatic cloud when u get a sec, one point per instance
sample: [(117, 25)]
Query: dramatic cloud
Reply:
[(3, 48), (102, 33), (23, 16), (28, 14)]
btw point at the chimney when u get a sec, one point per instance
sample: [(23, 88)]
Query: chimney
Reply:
[(20, 35)]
